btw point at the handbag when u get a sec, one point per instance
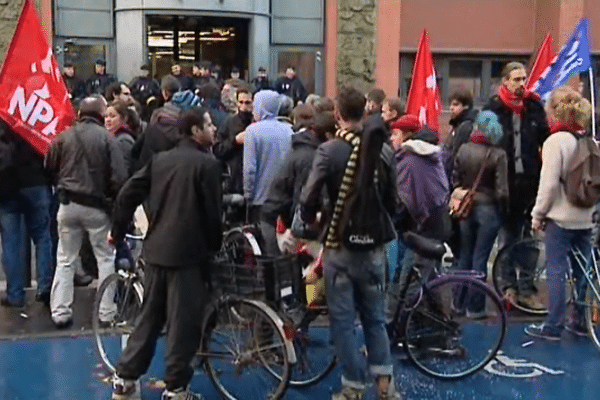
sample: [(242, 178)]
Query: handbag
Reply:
[(462, 199)]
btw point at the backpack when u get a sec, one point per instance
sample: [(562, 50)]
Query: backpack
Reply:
[(582, 183), (364, 223)]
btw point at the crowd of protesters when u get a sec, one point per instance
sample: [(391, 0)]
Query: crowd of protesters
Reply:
[(167, 146)]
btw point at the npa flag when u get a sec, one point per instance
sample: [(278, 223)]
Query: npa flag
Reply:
[(34, 101), (543, 60), (573, 58), (424, 95)]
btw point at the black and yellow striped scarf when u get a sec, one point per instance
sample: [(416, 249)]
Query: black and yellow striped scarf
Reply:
[(333, 234)]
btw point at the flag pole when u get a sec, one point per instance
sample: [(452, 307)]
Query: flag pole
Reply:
[(593, 99)]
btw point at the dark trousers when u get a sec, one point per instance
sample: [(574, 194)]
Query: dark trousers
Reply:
[(175, 296)]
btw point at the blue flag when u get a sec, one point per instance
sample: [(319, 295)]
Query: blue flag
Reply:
[(574, 58)]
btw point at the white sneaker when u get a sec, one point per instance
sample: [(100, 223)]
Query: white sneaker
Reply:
[(180, 394), (124, 389)]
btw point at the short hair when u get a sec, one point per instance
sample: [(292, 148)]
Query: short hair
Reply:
[(324, 105), (290, 67), (114, 90), (190, 118), (510, 67), (170, 84), (209, 91), (376, 95), (286, 106), (323, 124), (303, 116), (351, 104), (567, 105), (204, 65), (241, 90), (463, 96), (397, 104)]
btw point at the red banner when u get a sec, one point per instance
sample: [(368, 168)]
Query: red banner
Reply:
[(34, 100), (543, 60), (424, 96)]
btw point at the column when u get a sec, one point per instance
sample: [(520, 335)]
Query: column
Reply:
[(258, 45), (129, 42)]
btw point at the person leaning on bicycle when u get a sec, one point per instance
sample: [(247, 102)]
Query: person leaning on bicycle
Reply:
[(565, 224), (355, 280), (183, 188)]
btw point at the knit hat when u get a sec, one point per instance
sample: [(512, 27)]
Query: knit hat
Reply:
[(186, 100), (407, 123), (487, 123)]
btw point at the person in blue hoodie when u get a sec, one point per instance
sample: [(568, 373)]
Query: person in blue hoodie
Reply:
[(266, 144)]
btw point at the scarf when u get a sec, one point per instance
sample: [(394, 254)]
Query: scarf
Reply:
[(332, 240), (568, 126), (514, 102), (479, 138)]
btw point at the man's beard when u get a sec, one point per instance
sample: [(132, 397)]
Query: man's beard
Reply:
[(520, 91)]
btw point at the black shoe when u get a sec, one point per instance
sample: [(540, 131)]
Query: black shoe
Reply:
[(6, 303), (43, 298), (82, 280), (63, 324)]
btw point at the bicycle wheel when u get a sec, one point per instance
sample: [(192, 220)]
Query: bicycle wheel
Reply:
[(456, 328), (592, 312), (523, 261), (315, 354), (111, 335), (242, 342)]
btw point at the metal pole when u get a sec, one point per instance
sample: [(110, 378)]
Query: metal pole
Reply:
[(593, 98)]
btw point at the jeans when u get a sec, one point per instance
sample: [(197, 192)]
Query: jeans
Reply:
[(559, 242), (73, 220), (477, 235), (355, 281), (33, 203)]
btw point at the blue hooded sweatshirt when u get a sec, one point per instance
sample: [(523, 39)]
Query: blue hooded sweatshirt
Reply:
[(267, 143)]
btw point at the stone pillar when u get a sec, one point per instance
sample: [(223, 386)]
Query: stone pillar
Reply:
[(129, 43), (356, 43)]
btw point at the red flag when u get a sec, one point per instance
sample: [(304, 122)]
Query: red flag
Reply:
[(544, 58), (424, 95), (35, 101)]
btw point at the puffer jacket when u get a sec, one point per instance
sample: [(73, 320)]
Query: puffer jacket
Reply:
[(493, 187)]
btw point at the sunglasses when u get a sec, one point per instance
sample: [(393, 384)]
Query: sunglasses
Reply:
[(247, 102)]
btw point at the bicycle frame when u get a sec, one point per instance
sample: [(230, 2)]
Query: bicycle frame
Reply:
[(591, 272)]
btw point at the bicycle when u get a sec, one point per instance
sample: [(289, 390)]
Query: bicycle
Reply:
[(445, 350), (239, 336), (438, 332)]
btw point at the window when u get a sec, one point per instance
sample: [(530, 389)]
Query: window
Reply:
[(465, 74)]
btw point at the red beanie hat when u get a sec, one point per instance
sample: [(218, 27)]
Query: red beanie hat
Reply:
[(407, 123)]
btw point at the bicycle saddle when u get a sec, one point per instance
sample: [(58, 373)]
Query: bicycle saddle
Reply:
[(425, 247)]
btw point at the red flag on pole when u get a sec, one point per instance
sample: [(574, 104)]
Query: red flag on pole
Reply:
[(543, 60), (34, 101), (424, 95)]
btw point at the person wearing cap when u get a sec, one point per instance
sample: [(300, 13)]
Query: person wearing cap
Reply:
[(100, 80), (261, 82), (145, 90), (75, 85), (479, 230), (201, 75), (291, 85)]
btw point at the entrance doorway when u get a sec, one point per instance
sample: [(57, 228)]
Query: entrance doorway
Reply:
[(187, 39)]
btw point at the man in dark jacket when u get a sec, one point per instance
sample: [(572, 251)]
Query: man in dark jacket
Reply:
[(261, 82), (25, 192), (100, 80), (523, 120), (291, 86), (146, 90), (182, 186), (230, 146), (354, 279), (87, 166), (201, 75), (75, 85), (185, 81), (462, 115)]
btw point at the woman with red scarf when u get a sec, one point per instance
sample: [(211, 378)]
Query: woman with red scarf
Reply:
[(116, 121), (479, 230), (565, 224)]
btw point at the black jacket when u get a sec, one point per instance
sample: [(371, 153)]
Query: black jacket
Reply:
[(161, 134), (75, 87), (97, 84), (462, 126), (534, 131), (493, 187), (260, 84), (292, 88), (230, 152), (185, 81), (183, 189), (90, 165), (285, 190), (328, 170), (143, 88)]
